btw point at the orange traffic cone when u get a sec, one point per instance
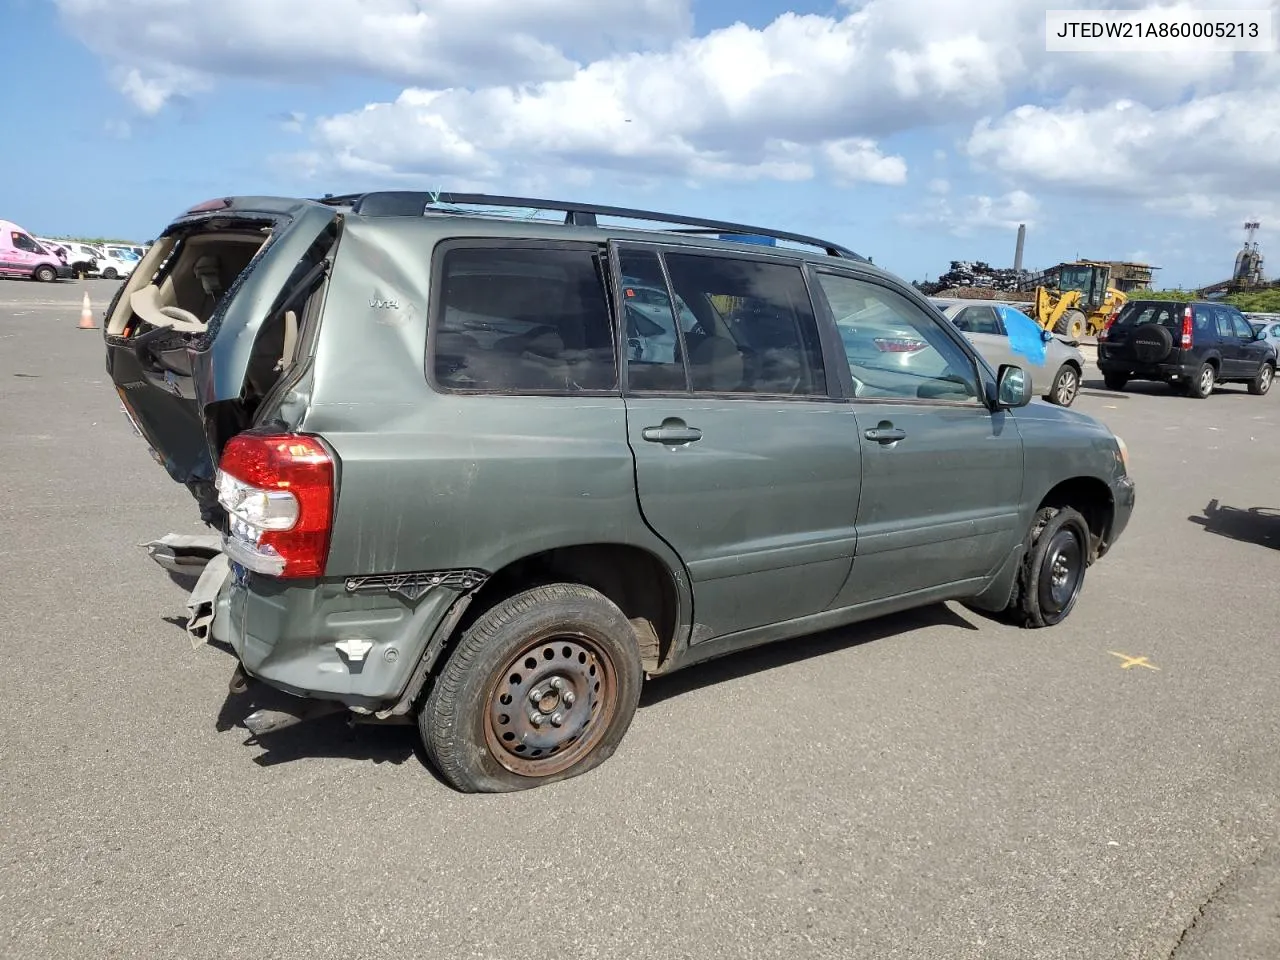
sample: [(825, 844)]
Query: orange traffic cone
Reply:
[(86, 315)]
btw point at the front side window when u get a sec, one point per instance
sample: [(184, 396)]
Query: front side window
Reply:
[(896, 351), (747, 326), (522, 320), (22, 242), (1243, 330)]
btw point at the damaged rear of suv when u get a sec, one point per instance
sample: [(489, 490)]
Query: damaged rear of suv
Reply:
[(460, 472)]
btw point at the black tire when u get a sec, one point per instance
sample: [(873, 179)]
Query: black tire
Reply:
[(1073, 324), (1115, 381), (481, 698), (1066, 386), (1260, 385), (46, 274), (1201, 383), (109, 273), (1053, 568)]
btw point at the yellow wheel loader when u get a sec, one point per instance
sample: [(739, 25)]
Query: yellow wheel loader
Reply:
[(1080, 303)]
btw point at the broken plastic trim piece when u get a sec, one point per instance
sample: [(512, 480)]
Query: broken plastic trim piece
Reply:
[(184, 553), (269, 720), (413, 586), (202, 602)]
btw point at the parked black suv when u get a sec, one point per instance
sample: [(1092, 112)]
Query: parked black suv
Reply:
[(1191, 346)]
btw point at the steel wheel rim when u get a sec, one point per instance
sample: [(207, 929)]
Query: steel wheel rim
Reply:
[(1067, 388), (1062, 572), (1265, 379), (1206, 380), (545, 713)]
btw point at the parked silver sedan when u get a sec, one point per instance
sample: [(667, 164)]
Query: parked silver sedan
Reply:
[(1054, 363)]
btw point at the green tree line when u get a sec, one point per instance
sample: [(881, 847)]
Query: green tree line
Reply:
[(1251, 301)]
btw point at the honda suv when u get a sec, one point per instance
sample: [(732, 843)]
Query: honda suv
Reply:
[(449, 483), (1190, 346)]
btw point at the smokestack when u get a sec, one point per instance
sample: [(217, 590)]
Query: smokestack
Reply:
[(1017, 253)]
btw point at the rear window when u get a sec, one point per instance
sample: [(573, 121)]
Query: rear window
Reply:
[(523, 320), (1137, 313)]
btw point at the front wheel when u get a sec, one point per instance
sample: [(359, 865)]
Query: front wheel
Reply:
[(1066, 386), (46, 274), (1073, 324), (1260, 385), (1053, 568), (542, 687)]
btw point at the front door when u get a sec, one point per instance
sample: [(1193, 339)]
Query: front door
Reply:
[(1234, 355), (745, 463), (942, 473), (1253, 352)]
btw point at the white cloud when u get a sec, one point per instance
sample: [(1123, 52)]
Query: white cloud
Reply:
[(1206, 157), (160, 48), (506, 91), (939, 185), (976, 212), (858, 158)]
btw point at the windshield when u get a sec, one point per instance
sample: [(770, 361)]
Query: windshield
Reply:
[(1076, 278)]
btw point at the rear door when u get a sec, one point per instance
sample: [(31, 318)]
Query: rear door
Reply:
[(203, 320), (746, 463), (942, 473)]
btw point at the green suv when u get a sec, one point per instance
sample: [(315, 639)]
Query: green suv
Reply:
[(465, 469)]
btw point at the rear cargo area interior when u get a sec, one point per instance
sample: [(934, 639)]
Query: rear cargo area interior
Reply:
[(187, 291)]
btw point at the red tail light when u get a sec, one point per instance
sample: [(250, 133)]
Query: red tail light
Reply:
[(278, 492), (1186, 328), (1103, 333), (899, 345)]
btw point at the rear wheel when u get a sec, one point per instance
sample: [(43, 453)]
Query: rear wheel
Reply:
[(1072, 324), (1115, 381), (1066, 385), (109, 273), (1260, 385), (542, 687), (1201, 383), (1052, 574), (46, 274)]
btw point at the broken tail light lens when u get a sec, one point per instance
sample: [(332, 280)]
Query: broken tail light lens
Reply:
[(277, 490), (899, 344), (1186, 329)]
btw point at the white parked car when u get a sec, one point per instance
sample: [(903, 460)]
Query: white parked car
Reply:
[(1004, 334), (116, 263)]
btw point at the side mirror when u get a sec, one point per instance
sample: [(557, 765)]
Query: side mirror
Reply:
[(1013, 387)]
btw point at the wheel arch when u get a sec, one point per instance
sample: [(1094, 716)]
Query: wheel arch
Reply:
[(641, 583), (1093, 499)]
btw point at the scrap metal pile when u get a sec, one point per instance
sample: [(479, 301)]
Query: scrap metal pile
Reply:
[(975, 275)]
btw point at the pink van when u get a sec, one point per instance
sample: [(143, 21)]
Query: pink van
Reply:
[(21, 255)]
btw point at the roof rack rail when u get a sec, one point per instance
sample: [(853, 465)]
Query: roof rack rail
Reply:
[(414, 203)]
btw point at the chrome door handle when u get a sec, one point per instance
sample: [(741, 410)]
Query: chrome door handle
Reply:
[(672, 432), (886, 434)]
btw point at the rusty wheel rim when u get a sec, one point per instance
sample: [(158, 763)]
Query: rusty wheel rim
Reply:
[(550, 706)]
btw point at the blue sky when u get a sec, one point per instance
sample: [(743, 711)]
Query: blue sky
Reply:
[(913, 131)]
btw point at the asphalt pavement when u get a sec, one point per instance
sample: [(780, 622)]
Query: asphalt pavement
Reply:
[(929, 786)]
